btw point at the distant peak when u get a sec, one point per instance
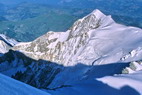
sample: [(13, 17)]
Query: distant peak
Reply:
[(98, 14), (89, 22), (97, 11)]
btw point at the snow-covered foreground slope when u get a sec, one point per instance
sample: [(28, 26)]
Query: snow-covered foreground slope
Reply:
[(133, 81), (9, 86), (110, 85)]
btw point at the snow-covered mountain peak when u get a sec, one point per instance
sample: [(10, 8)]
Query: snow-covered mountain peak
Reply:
[(98, 14), (94, 39), (92, 21)]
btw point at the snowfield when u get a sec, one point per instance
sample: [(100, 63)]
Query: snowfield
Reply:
[(132, 81), (9, 86), (110, 85)]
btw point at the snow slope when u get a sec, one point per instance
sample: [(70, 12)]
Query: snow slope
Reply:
[(110, 85), (9, 86), (119, 81)]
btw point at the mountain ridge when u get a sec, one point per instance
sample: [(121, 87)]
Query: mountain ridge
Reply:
[(55, 46)]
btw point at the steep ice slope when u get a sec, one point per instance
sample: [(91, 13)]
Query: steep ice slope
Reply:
[(9, 86), (94, 39)]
